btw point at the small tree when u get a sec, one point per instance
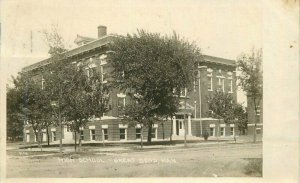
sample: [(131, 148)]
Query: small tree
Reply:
[(241, 118), (251, 80), (54, 73), (34, 107), (139, 112), (222, 106)]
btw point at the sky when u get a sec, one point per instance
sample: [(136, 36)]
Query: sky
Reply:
[(220, 28)]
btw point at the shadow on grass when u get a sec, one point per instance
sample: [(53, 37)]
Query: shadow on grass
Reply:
[(254, 167)]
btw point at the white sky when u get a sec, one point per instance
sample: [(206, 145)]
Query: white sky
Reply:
[(219, 28)]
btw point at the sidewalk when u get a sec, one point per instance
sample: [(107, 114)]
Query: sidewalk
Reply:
[(127, 147)]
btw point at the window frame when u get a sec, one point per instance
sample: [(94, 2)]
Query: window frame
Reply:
[(53, 136), (82, 135), (230, 85), (125, 134), (136, 134), (104, 135), (92, 135), (155, 133), (213, 131), (210, 84), (183, 90), (222, 131)]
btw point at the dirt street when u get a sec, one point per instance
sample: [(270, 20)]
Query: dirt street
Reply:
[(213, 161)]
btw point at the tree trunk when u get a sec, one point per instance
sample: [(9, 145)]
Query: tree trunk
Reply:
[(142, 130), (40, 139), (255, 121), (149, 133), (184, 127), (218, 135), (163, 128), (184, 122), (171, 129), (75, 139), (48, 138), (79, 144), (103, 137)]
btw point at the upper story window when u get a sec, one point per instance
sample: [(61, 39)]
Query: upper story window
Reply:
[(221, 82), (210, 82), (230, 85), (210, 79), (103, 75), (43, 83), (103, 59), (121, 104), (183, 92)]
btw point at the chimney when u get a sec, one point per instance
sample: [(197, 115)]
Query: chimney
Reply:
[(101, 31)]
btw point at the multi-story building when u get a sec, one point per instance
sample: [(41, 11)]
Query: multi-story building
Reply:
[(255, 116), (213, 73)]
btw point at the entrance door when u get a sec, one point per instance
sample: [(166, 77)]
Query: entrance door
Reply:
[(27, 137), (179, 127)]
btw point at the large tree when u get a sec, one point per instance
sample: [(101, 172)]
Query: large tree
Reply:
[(153, 66), (14, 124), (251, 79), (34, 106)]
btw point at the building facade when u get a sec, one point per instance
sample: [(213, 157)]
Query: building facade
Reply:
[(213, 73), (254, 116)]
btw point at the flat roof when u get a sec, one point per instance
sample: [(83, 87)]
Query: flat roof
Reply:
[(218, 60)]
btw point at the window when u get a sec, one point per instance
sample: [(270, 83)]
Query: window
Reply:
[(93, 135), (258, 110), (123, 134), (81, 135), (258, 130), (195, 85), (230, 86), (121, 102), (210, 82), (102, 59), (153, 133), (211, 131), (232, 131), (103, 74), (43, 83), (210, 113), (183, 92), (221, 83), (222, 131), (53, 136), (105, 134), (138, 133), (121, 105)]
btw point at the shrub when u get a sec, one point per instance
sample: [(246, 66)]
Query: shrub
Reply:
[(205, 135)]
